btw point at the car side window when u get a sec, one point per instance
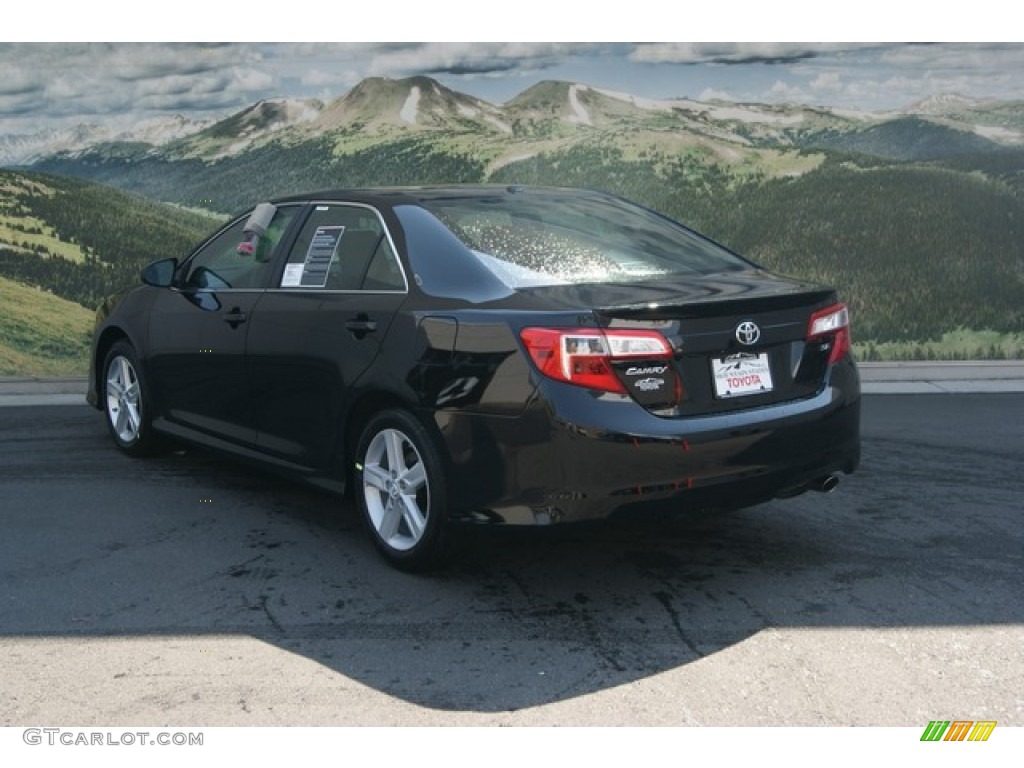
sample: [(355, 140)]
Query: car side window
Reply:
[(234, 259), (343, 248)]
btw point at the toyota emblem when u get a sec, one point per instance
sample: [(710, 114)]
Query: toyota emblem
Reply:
[(747, 333)]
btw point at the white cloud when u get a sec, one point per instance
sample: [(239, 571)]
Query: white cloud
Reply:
[(63, 88), (826, 81), (956, 56), (697, 53), (18, 80), (318, 78), (473, 58), (781, 91), (253, 79), (713, 94)]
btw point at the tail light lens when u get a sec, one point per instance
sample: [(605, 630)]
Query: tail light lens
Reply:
[(584, 356), (831, 322)]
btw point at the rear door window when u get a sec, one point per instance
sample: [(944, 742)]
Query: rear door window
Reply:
[(343, 248)]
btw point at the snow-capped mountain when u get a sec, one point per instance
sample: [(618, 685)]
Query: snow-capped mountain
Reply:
[(25, 149)]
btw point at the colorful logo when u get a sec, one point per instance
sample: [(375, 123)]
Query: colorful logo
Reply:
[(958, 730)]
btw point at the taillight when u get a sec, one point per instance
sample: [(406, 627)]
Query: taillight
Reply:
[(831, 322), (584, 356)]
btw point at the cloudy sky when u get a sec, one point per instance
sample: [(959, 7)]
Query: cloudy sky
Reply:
[(60, 84)]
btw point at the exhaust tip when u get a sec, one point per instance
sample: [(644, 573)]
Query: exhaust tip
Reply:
[(826, 484)]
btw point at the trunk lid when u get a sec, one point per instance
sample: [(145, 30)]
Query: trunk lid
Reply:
[(740, 339)]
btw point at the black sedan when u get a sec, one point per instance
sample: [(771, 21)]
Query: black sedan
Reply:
[(484, 355)]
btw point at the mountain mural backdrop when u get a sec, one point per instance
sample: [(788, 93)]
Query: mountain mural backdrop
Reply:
[(916, 216)]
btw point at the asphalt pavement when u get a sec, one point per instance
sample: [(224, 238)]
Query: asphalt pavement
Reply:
[(190, 589)]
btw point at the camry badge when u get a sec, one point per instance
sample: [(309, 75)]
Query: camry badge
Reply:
[(747, 333)]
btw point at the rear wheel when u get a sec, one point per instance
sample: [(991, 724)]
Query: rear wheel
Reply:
[(126, 401), (400, 489)]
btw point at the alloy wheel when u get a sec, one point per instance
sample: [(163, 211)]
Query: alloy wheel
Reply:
[(396, 489), (124, 403)]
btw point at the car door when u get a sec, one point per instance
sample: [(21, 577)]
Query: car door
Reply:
[(198, 328), (320, 328)]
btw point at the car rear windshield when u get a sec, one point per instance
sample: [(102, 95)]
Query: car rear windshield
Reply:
[(535, 239)]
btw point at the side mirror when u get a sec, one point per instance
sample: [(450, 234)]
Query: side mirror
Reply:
[(160, 274)]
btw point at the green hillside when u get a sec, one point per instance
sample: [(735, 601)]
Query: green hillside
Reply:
[(42, 334), (65, 244), (274, 170), (83, 241), (907, 138), (916, 251), (1007, 165)]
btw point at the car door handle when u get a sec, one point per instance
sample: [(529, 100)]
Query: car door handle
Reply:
[(360, 325), (235, 317)]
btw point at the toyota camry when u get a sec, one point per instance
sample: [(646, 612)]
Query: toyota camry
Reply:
[(484, 355)]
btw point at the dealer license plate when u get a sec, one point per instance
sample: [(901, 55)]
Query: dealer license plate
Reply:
[(741, 374)]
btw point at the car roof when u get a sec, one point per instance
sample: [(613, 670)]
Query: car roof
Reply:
[(412, 194)]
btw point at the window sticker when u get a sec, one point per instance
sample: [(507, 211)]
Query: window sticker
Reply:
[(292, 277), (318, 258)]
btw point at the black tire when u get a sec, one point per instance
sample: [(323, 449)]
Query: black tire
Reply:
[(126, 405), (399, 485)]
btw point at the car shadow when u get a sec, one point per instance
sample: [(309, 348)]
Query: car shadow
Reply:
[(190, 543)]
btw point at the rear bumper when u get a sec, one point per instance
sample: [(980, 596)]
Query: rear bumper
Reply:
[(570, 458)]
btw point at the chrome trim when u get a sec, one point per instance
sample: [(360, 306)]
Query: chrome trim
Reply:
[(317, 291), (177, 289), (322, 291)]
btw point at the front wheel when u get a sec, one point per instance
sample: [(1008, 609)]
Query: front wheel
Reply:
[(126, 402), (400, 489)]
